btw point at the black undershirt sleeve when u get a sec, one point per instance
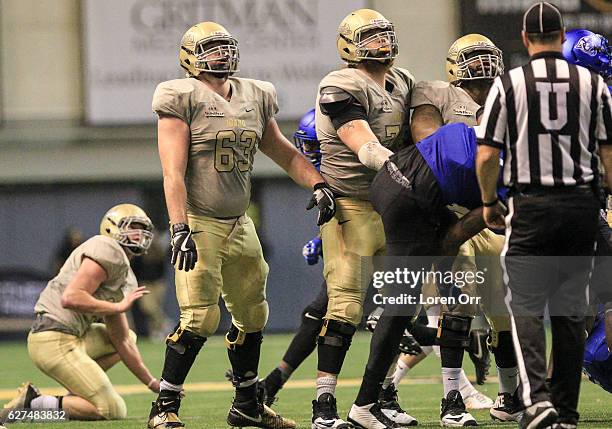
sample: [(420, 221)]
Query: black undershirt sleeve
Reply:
[(340, 106)]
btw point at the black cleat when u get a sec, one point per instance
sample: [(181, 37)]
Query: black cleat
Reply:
[(325, 414), (268, 387), (453, 412), (253, 413), (164, 411), (507, 408), (538, 416), (479, 354), (24, 397)]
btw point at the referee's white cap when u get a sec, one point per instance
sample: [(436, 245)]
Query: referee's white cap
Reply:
[(542, 17)]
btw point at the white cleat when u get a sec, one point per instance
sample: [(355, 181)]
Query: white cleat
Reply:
[(475, 400), (389, 405), (369, 417)]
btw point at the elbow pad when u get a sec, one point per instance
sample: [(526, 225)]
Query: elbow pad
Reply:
[(373, 155)]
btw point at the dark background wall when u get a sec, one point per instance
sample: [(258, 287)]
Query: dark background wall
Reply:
[(35, 218)]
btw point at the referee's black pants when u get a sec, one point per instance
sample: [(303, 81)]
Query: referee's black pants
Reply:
[(547, 259)]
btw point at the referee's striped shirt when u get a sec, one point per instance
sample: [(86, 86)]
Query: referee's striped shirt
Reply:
[(548, 116)]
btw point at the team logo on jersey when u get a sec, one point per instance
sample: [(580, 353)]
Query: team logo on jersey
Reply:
[(462, 110), (386, 106), (210, 110)]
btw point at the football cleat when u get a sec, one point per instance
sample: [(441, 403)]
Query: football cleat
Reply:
[(507, 408), (389, 405), (255, 414), (370, 417), (475, 400), (453, 413), (479, 353), (538, 416), (325, 414), (164, 411), (26, 392)]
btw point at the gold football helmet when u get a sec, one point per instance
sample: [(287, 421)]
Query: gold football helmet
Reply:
[(208, 47), (366, 35), (473, 57), (130, 226)]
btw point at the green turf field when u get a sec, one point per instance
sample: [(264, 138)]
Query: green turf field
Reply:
[(207, 404)]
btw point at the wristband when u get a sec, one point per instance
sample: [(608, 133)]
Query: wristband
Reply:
[(491, 203)]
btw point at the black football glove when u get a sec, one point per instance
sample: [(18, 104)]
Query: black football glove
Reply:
[(408, 345), (183, 247), (323, 198)]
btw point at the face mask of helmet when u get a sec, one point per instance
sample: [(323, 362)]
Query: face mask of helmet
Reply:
[(218, 55), (479, 64), (376, 42), (135, 234)]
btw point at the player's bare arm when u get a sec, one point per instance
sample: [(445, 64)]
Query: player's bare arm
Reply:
[(358, 136), (173, 136), (426, 119), (78, 295), (275, 146), (605, 152), (118, 333), (461, 231), (487, 171)]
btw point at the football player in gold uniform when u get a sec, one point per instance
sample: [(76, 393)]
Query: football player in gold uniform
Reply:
[(67, 343), (361, 118), (210, 126)]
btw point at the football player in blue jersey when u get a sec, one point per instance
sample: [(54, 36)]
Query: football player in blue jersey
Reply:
[(592, 51), (417, 183)]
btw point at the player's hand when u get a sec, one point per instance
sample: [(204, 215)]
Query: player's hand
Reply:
[(313, 250), (494, 215), (183, 247), (154, 385), (323, 198), (126, 303)]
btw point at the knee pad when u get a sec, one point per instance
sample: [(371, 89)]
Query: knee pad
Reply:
[(336, 334), (453, 331), (202, 321), (111, 406), (252, 318), (258, 317), (185, 342), (313, 316)]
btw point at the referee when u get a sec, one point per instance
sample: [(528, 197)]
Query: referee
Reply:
[(553, 121)]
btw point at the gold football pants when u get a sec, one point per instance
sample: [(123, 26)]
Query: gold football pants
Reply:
[(230, 265), (71, 361), (355, 231)]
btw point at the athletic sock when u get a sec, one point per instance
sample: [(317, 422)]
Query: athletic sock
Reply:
[(508, 379), (165, 385), (285, 373), (401, 369), (326, 384), (450, 379), (45, 402)]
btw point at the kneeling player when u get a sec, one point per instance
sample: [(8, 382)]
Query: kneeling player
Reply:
[(415, 184), (66, 344)]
